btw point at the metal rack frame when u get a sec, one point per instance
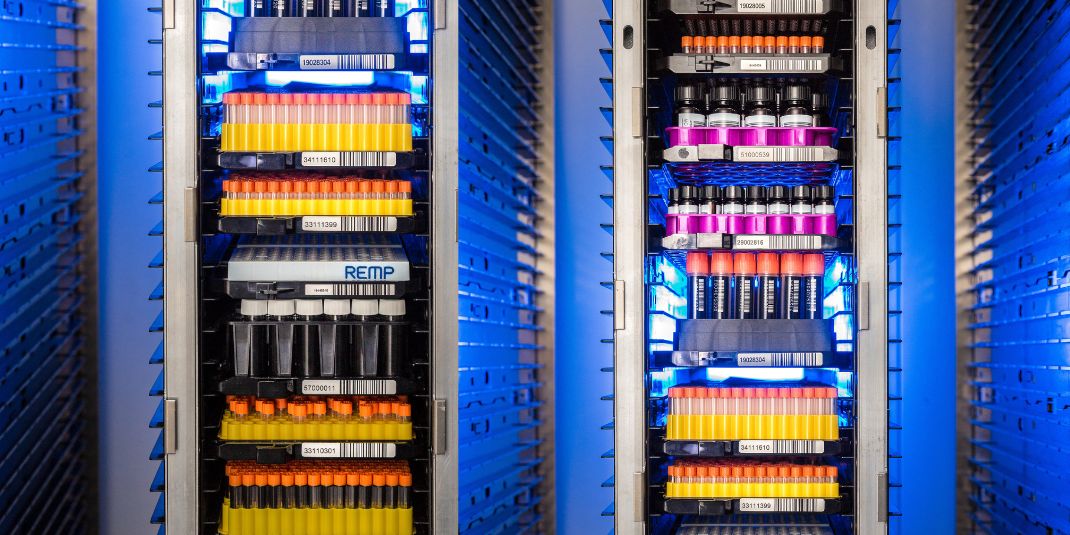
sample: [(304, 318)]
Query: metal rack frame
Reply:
[(182, 260), (444, 183), (629, 245)]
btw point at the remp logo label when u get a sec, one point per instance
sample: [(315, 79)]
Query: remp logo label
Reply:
[(368, 273)]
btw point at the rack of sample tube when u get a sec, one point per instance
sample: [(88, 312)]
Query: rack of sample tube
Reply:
[(299, 258), (740, 311)]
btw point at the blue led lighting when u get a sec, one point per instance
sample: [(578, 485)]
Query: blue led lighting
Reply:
[(215, 28), (760, 374), (324, 78)]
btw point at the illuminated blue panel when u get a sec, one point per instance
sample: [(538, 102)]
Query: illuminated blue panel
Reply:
[(44, 421), (1019, 143), (500, 375), (582, 384)]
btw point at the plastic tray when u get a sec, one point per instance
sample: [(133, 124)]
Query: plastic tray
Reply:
[(749, 63), (280, 161), (755, 335), (317, 265), (751, 359), (775, 154), (282, 387), (730, 173), (763, 8), (279, 452), (754, 242), (320, 35), (307, 349), (750, 448), (726, 506), (751, 136), (773, 524), (317, 44), (302, 289), (273, 225), (786, 224)]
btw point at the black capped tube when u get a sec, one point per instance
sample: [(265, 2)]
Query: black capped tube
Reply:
[(673, 205), (391, 336), (760, 110), (755, 200), (819, 108), (689, 112), (250, 341), (796, 106), (710, 200), (334, 338), (688, 200), (365, 348), (778, 200), (732, 200), (281, 313), (724, 106), (823, 200), (801, 200), (306, 338)]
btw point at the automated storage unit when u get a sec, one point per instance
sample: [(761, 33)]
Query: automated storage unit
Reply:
[(351, 267), (47, 268), (1012, 190), (751, 265)]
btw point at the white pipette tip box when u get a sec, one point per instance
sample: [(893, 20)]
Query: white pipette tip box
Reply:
[(319, 259)]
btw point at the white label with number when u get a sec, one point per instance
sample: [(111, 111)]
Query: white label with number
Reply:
[(319, 289), (757, 504), (753, 65), (754, 6), (320, 159), (319, 63), (752, 154), (754, 359), (752, 243), (321, 450), (321, 387), (756, 446), (321, 223)]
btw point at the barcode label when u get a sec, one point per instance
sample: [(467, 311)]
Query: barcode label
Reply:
[(349, 387), (343, 62), (349, 159), (754, 6), (349, 224), (791, 360), (777, 242), (753, 65), (781, 505), (793, 65), (757, 242), (780, 154), (347, 450), (352, 289), (787, 7), (781, 447)]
